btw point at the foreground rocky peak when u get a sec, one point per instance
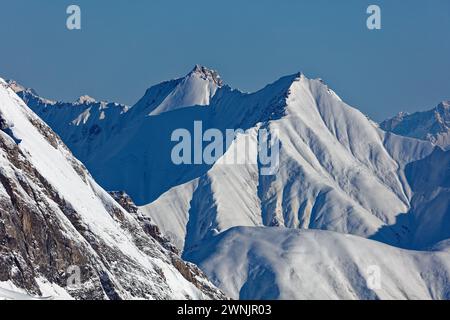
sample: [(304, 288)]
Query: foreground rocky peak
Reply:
[(56, 223)]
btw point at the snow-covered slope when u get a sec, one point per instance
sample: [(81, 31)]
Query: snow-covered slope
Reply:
[(54, 217), (429, 217), (432, 125), (280, 263), (197, 88), (84, 124), (337, 172)]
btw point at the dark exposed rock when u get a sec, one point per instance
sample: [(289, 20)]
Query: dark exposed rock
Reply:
[(188, 270), (33, 242), (145, 222), (124, 200)]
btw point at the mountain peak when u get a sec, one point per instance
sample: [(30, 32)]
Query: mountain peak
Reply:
[(27, 94), (17, 87), (85, 99), (206, 74), (443, 106), (431, 125)]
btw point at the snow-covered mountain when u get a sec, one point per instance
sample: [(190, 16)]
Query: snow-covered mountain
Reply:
[(197, 88), (335, 168), (338, 173), (432, 125), (287, 263), (85, 123), (55, 219), (283, 263)]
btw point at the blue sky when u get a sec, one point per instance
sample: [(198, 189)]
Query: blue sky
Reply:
[(126, 46)]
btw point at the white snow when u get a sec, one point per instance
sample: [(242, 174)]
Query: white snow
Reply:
[(8, 291), (280, 263), (197, 88), (338, 173)]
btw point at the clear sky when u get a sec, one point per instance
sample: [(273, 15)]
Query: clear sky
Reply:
[(127, 45)]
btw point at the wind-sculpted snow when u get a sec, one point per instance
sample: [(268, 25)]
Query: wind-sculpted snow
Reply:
[(54, 218), (280, 263)]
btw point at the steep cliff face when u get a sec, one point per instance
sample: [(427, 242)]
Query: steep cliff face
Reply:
[(63, 236)]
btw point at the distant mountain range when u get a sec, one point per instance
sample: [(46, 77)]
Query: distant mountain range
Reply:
[(432, 125), (348, 194)]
